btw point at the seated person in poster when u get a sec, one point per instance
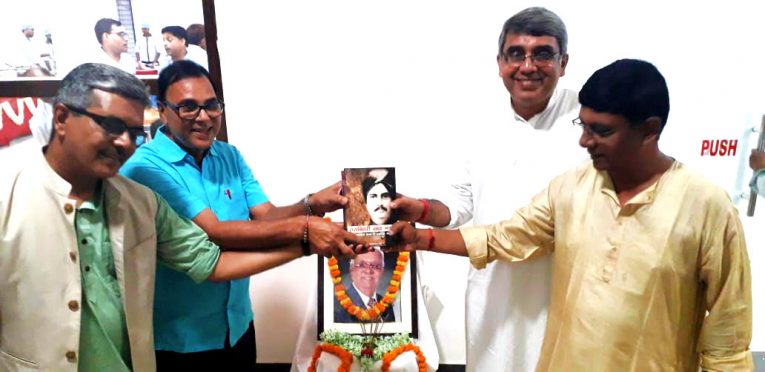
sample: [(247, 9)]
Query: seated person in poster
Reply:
[(113, 39), (177, 48), (363, 290)]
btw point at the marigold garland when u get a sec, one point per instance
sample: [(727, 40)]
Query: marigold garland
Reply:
[(379, 308), (366, 350), (346, 358), (388, 358)]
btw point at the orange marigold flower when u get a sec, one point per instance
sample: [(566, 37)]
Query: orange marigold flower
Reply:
[(346, 358), (337, 280), (388, 358)]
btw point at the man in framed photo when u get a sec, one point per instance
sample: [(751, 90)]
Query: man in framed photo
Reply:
[(365, 271)]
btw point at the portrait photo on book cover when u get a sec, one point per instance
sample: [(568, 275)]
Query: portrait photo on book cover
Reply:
[(361, 285), (369, 192)]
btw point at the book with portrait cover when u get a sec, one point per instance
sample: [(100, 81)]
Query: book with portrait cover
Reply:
[(369, 192)]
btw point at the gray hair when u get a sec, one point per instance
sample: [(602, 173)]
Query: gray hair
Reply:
[(77, 87), (535, 21), (376, 250)]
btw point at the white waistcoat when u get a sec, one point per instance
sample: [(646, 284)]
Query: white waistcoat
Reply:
[(40, 283)]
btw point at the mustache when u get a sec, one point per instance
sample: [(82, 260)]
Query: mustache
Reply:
[(381, 208)]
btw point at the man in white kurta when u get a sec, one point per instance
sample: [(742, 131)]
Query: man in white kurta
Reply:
[(506, 304)]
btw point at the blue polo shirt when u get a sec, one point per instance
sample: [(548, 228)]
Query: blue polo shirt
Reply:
[(191, 317)]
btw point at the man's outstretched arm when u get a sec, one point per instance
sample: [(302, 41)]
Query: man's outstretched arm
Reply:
[(429, 212)]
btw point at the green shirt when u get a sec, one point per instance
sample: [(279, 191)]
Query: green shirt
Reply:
[(104, 344)]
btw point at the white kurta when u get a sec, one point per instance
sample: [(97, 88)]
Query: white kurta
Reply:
[(506, 304), (126, 62), (193, 53)]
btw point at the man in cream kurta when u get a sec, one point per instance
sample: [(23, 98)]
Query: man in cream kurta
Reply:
[(632, 283)]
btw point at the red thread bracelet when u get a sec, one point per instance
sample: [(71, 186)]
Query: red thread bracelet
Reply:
[(425, 210), (431, 239)]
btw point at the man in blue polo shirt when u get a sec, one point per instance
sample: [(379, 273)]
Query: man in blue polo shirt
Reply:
[(209, 326)]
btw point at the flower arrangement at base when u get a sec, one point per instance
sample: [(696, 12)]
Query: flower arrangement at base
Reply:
[(366, 349)]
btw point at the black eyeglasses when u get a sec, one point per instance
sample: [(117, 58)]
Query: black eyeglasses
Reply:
[(594, 129), (113, 126), (189, 110), (539, 58)]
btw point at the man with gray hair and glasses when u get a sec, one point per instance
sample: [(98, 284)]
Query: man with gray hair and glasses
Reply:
[(500, 174), (79, 244), (365, 270)]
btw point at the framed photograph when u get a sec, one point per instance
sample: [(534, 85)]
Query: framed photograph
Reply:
[(366, 281)]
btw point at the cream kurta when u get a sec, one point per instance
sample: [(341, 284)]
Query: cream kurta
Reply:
[(631, 285)]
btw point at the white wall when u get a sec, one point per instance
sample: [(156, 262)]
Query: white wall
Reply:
[(307, 81), (159, 14)]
